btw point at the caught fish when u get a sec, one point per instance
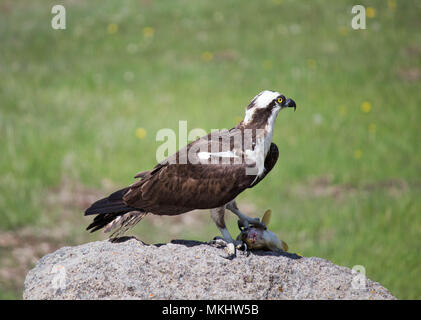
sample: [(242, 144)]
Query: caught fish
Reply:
[(257, 238)]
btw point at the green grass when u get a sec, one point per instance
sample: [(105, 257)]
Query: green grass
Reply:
[(71, 100)]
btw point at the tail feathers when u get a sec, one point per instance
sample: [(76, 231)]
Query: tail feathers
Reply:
[(119, 222), (118, 195), (100, 221), (123, 223), (111, 204), (108, 209)]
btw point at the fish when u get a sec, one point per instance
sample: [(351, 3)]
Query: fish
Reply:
[(258, 238)]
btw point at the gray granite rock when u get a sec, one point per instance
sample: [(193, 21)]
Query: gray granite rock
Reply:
[(181, 269)]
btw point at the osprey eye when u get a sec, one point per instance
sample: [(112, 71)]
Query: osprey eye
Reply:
[(280, 100)]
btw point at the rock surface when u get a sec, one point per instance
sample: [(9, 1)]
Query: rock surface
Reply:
[(182, 269)]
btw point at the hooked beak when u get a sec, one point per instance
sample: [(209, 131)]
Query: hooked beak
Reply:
[(289, 103)]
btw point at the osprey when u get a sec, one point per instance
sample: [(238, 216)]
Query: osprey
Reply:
[(208, 173)]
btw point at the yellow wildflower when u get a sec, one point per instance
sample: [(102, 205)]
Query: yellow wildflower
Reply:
[(366, 107), (207, 56), (358, 154), (140, 133), (370, 12), (391, 4), (343, 31), (148, 32), (311, 63), (112, 28)]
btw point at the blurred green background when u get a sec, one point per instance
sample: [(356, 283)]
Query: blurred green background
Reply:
[(80, 109)]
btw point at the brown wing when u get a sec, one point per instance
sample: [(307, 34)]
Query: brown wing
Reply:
[(172, 188), (178, 188)]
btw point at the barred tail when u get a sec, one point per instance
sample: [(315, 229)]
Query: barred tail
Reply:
[(112, 212)]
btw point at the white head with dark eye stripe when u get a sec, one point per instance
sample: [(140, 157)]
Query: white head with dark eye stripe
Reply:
[(266, 105)]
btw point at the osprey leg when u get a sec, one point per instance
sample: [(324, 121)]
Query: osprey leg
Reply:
[(226, 241), (217, 215), (244, 220)]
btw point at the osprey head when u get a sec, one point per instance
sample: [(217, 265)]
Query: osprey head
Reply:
[(266, 104)]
